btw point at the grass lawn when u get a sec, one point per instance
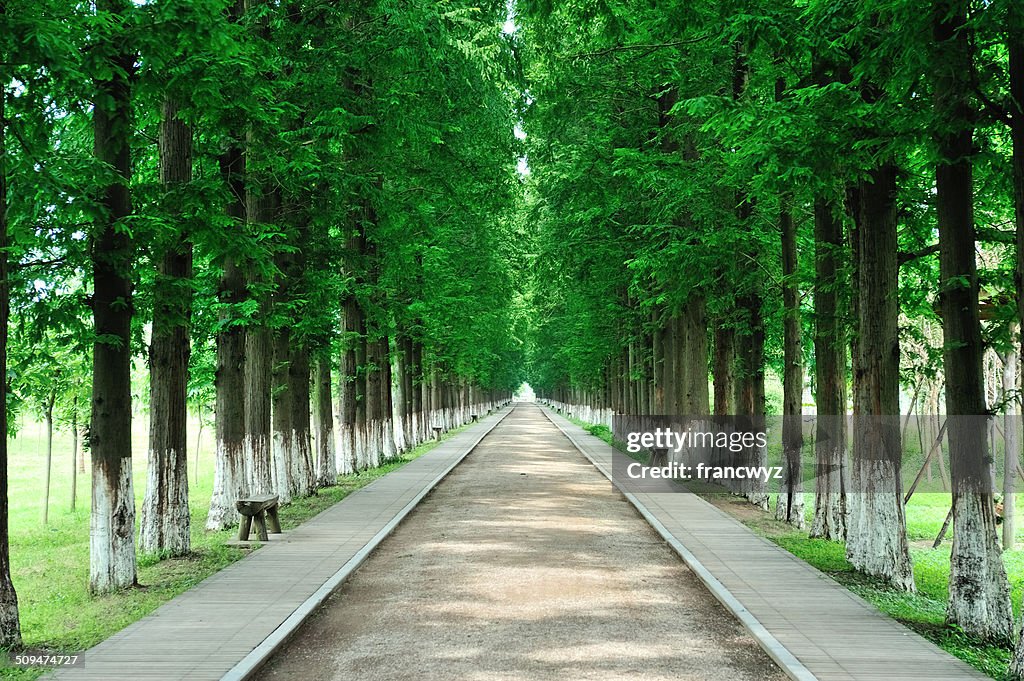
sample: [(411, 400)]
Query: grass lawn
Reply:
[(50, 562), (925, 611)]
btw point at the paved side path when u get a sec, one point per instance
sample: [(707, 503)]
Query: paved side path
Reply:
[(523, 565), (795, 610), (229, 622)]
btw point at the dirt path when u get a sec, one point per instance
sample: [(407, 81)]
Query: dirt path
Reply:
[(523, 564)]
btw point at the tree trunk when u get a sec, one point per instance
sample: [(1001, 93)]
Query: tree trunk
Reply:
[(670, 376), (749, 385), (979, 593), (49, 456), (283, 444), (409, 391), (398, 362), (81, 453), (323, 424), (229, 475), (830, 378), (694, 356), (1011, 447), (790, 506), (1016, 72), (416, 394), (165, 524), (658, 363), (389, 447), (374, 403), (876, 530), (10, 626), (723, 370), (112, 530), (74, 454), (363, 456), (199, 443), (347, 386), (303, 477), (750, 395), (261, 207)]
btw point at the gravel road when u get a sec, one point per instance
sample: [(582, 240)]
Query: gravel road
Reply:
[(522, 564)]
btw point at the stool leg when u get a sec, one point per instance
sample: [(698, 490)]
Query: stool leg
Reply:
[(244, 527), (273, 520), (261, 527)]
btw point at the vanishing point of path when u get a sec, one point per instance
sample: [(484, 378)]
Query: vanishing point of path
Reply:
[(523, 563)]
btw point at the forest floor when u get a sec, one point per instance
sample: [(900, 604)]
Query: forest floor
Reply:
[(523, 563), (50, 563)]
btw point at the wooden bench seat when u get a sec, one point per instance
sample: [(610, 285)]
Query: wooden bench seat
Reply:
[(254, 508)]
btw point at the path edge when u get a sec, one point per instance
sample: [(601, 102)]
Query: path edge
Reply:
[(258, 656), (787, 661)]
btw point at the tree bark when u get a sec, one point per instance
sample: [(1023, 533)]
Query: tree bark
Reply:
[(724, 363), (261, 207), (281, 409), (415, 382), (303, 478), (398, 362), (694, 356), (10, 625), (363, 454), (749, 390), (347, 391), (323, 424), (830, 378), (374, 403), (876, 531), (658, 362), (165, 523), (790, 505), (112, 530), (979, 592), (74, 455)]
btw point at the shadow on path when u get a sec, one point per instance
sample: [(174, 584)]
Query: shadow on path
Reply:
[(523, 563)]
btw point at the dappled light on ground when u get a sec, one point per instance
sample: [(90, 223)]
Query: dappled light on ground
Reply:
[(523, 564)]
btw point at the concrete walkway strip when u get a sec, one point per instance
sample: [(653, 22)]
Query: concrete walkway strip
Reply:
[(811, 626), (228, 625)]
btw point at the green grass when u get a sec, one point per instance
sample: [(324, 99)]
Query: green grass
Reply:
[(924, 611), (50, 563)]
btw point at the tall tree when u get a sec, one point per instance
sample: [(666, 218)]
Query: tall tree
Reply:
[(230, 478), (112, 531), (10, 623), (165, 523), (830, 373), (790, 504), (979, 593), (876, 531)]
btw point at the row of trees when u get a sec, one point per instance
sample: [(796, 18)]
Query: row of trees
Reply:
[(298, 212), (727, 189)]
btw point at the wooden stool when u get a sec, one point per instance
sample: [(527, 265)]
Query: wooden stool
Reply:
[(253, 508)]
